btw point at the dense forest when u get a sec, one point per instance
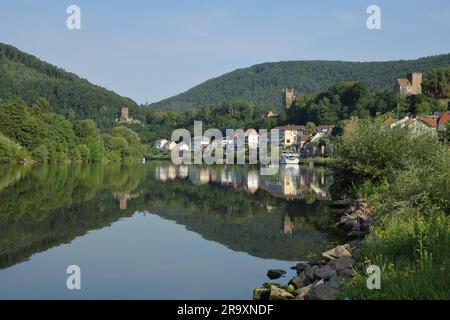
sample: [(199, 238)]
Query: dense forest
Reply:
[(355, 99), (235, 100), (339, 102), (262, 84), (25, 76), (36, 133)]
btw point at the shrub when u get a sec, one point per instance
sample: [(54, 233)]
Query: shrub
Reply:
[(40, 154), (8, 150)]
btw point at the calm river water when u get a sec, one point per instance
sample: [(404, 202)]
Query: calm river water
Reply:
[(156, 231)]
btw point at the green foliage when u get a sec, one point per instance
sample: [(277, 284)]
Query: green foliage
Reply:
[(342, 101), (444, 134), (371, 151), (26, 77), (51, 138), (40, 154), (406, 178), (437, 83), (8, 150), (310, 128), (262, 84)]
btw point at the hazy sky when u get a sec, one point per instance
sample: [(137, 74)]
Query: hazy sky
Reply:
[(150, 50)]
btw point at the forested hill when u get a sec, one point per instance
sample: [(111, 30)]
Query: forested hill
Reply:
[(25, 76), (262, 83)]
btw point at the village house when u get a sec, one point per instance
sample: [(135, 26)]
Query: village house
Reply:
[(302, 140), (159, 144), (251, 138), (412, 85), (289, 134), (322, 130), (182, 146), (169, 146), (417, 125), (268, 115)]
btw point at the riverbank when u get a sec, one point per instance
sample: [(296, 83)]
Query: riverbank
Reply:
[(321, 278)]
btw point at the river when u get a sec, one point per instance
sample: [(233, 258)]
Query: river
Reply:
[(155, 230)]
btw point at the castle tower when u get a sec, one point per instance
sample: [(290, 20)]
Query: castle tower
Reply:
[(124, 117), (415, 79), (288, 97)]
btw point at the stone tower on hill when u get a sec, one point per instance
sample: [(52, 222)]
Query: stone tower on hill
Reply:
[(410, 86), (288, 97)]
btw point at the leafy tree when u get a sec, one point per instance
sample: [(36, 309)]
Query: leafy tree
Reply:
[(437, 83), (40, 154), (310, 128), (8, 150)]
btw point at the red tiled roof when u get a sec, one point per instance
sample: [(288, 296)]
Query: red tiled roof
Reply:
[(430, 121), (444, 118), (305, 138), (404, 82)]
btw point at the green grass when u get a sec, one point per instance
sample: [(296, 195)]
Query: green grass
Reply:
[(410, 192)]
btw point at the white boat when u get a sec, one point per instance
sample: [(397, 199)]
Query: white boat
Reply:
[(290, 158)]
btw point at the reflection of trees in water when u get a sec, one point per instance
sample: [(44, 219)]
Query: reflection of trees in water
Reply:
[(45, 206)]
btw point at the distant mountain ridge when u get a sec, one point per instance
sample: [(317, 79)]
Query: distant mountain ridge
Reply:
[(25, 76), (262, 83)]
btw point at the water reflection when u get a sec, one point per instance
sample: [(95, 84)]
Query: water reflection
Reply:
[(278, 217), (292, 182)]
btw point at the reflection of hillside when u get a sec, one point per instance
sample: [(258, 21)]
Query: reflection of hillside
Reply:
[(53, 205), (243, 223), (43, 207)]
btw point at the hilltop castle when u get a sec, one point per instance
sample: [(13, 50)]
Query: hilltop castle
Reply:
[(125, 117), (288, 97), (410, 86)]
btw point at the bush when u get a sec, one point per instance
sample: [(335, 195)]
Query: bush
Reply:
[(409, 187), (8, 150), (40, 154)]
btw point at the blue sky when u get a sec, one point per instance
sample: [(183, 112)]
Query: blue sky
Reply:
[(150, 50)]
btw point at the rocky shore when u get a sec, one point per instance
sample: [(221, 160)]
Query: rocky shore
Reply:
[(321, 279)]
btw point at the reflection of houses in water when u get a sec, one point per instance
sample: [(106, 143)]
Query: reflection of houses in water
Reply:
[(294, 184), (226, 177), (199, 175), (182, 172), (124, 197), (288, 225), (291, 182), (252, 184)]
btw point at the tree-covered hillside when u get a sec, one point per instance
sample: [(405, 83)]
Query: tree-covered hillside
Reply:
[(262, 84), (25, 76)]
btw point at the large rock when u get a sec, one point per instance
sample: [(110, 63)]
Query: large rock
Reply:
[(339, 251), (301, 293), (325, 272), (349, 273), (261, 294), (336, 282), (309, 275), (357, 233), (279, 294), (275, 273), (298, 281), (302, 265), (343, 203), (322, 292), (342, 263)]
